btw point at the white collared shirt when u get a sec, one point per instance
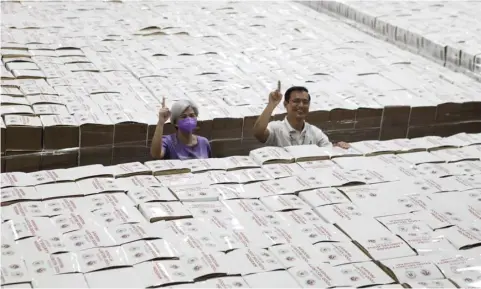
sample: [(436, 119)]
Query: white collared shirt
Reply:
[(282, 134)]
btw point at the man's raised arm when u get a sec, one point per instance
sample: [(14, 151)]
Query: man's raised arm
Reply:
[(261, 133)]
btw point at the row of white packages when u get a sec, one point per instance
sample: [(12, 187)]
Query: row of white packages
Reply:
[(306, 277), (124, 170), (271, 154), (258, 157), (377, 199), (244, 262), (424, 214), (257, 182)]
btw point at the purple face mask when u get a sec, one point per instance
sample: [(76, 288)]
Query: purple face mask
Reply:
[(187, 124)]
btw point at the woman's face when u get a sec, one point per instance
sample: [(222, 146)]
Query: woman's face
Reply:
[(188, 112)]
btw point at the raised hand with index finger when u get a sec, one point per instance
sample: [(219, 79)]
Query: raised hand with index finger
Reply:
[(164, 112), (275, 97)]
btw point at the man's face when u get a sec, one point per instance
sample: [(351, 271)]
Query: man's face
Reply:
[(298, 105)]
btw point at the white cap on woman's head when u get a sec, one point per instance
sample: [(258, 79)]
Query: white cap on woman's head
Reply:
[(179, 107)]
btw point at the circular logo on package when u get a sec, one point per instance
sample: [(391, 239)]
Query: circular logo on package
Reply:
[(468, 280), (91, 263), (40, 270), (138, 255), (410, 274), (311, 282), (324, 249), (332, 257), (87, 256), (290, 259), (197, 268), (302, 273), (61, 220), (37, 263), (64, 226), (354, 278), (346, 271), (109, 220), (125, 236), (265, 254), (74, 237), (210, 245), (133, 249), (191, 260), (402, 229), (79, 244)]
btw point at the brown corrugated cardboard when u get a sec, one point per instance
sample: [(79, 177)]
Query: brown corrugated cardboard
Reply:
[(24, 133), (60, 132)]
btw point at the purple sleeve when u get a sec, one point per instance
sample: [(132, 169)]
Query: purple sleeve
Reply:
[(206, 150), (209, 150), (166, 144)]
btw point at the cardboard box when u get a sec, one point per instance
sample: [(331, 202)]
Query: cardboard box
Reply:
[(96, 130), (59, 159), (26, 161), (23, 133)]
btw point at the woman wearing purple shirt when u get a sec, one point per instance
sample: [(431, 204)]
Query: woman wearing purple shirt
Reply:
[(183, 144)]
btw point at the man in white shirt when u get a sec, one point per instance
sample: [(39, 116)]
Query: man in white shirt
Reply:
[(293, 130)]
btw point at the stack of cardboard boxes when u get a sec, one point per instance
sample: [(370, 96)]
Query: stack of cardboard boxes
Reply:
[(67, 102), (370, 216), (446, 32)]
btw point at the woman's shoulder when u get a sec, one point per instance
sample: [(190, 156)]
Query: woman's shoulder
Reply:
[(168, 137), (202, 140)]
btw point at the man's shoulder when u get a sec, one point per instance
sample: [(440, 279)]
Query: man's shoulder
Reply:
[(276, 124), (313, 127)]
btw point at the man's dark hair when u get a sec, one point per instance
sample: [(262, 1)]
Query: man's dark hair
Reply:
[(287, 95)]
